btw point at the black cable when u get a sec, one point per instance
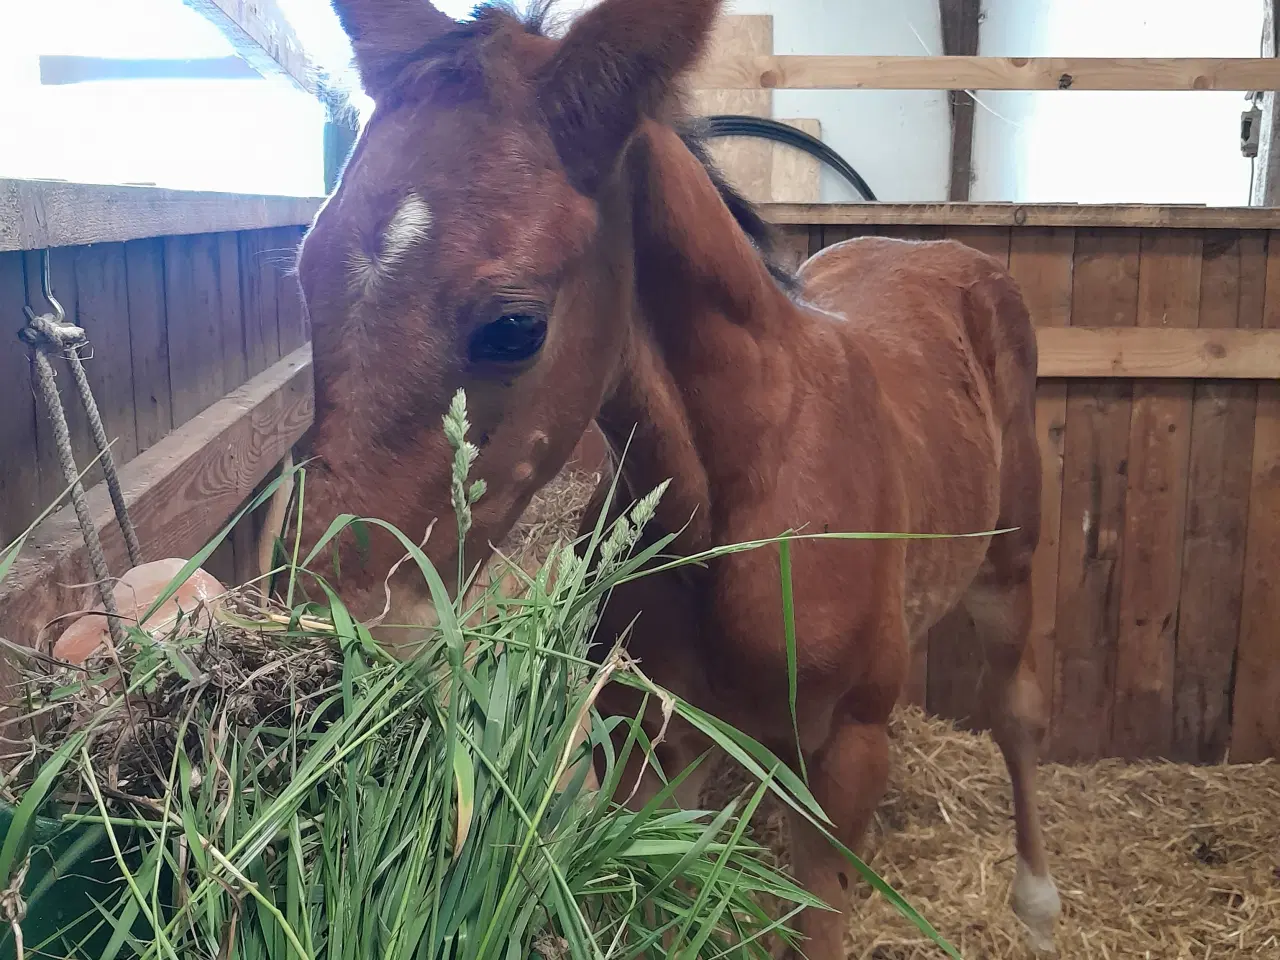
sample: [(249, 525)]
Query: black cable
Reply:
[(735, 125)]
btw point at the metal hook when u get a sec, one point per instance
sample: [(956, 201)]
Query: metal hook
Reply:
[(47, 290)]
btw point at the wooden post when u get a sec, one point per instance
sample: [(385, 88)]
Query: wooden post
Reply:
[(960, 38), (1266, 176)]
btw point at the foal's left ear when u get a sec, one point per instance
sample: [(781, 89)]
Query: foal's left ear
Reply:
[(617, 65)]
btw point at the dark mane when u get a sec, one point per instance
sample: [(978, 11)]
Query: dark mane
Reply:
[(538, 19)]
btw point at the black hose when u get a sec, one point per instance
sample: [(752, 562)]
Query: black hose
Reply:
[(735, 125)]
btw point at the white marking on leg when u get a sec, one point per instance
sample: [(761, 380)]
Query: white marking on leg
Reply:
[(1037, 904), (408, 226)]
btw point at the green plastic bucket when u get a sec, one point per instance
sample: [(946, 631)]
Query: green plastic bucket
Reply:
[(71, 867)]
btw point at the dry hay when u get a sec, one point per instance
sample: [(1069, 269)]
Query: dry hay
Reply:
[(1152, 860)]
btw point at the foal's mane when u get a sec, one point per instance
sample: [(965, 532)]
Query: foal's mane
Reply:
[(538, 19)]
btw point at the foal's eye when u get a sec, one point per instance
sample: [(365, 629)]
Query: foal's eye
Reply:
[(512, 338)]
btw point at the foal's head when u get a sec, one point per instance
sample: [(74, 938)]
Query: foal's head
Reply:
[(478, 240)]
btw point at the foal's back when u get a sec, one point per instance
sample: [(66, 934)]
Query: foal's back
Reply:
[(948, 338)]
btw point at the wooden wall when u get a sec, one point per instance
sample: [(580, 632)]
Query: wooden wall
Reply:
[(1157, 621), (175, 323)]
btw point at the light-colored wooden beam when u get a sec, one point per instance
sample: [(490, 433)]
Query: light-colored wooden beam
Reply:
[(48, 213), (180, 493), (1021, 215), (260, 33), (1159, 352), (988, 73)]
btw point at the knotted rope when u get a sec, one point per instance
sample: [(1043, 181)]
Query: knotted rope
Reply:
[(50, 332)]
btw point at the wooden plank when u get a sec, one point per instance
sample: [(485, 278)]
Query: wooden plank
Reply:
[(961, 21), (149, 340), (1187, 217), (1161, 353), (258, 298), (987, 73), (103, 305), (197, 373), (1043, 262), (62, 280), (1095, 461), (292, 312), (746, 162), (795, 176), (1156, 503), (793, 246), (260, 34), (234, 362), (20, 492), (179, 493), (993, 241), (1255, 720), (1232, 291), (43, 213)]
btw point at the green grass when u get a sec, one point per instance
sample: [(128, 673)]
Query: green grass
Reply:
[(414, 809)]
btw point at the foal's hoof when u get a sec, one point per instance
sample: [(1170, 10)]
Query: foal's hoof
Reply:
[(1037, 905)]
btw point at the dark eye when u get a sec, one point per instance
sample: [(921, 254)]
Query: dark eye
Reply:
[(511, 338)]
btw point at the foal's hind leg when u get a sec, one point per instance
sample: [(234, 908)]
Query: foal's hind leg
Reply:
[(1000, 603)]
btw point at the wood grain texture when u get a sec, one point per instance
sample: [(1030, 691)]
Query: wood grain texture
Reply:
[(259, 299), (993, 241), (1025, 215), (62, 280), (795, 176), (20, 492), (39, 213), (180, 493), (1255, 721), (1095, 463), (987, 73), (193, 297), (1162, 353), (1043, 262), (102, 288), (234, 348), (1232, 291), (746, 162), (260, 34), (1156, 503), (149, 340), (291, 310)]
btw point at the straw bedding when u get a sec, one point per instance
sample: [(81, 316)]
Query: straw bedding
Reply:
[(1152, 860)]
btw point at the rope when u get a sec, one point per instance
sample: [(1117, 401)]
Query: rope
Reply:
[(66, 459), (70, 339)]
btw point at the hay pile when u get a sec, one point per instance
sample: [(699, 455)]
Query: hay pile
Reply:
[(1152, 861)]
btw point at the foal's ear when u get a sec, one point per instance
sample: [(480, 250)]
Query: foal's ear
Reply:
[(618, 64), (384, 32)]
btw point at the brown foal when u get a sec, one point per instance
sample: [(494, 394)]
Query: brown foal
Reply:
[(523, 219)]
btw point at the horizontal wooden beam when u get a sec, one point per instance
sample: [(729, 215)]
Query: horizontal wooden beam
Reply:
[(1022, 215), (51, 213), (260, 33), (61, 69), (987, 73), (1163, 353), (180, 493)]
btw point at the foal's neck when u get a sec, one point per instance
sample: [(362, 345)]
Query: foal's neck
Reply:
[(708, 371)]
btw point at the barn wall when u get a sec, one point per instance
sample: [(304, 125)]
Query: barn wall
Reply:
[(1157, 630), (175, 323)]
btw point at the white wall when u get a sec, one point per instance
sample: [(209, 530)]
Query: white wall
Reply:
[(900, 141), (1110, 147)]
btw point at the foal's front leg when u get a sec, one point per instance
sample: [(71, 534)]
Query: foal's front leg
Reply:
[(847, 777)]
